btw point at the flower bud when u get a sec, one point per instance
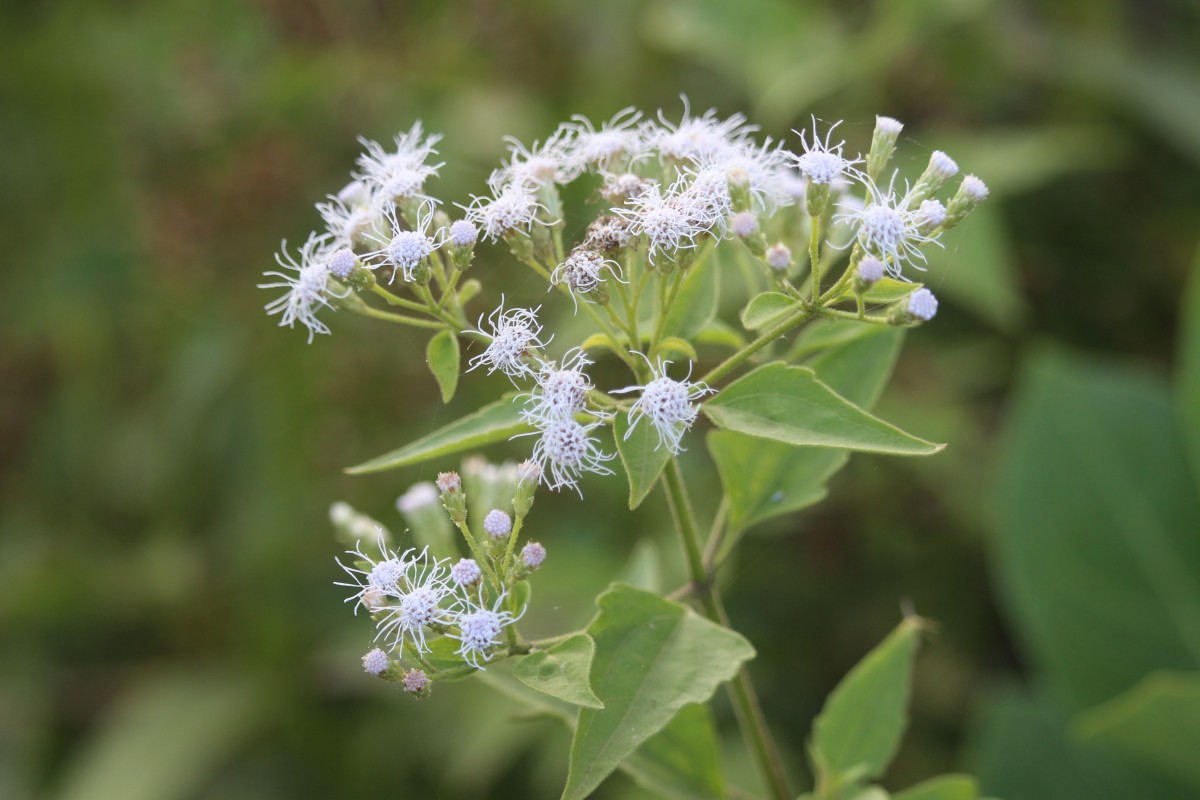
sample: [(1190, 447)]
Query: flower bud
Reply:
[(920, 306), (971, 192), (529, 475), (940, 169), (454, 499), (930, 216), (466, 572), (883, 144), (779, 257), (416, 682), (816, 198), (375, 662), (462, 237), (532, 556), (868, 273), (497, 524)]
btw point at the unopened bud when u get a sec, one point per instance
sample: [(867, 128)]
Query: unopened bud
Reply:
[(930, 216), (375, 662), (449, 482), (941, 168), (532, 556), (971, 192), (779, 257), (453, 498), (868, 273), (529, 474), (921, 306), (816, 198), (744, 224), (416, 682), (497, 524), (466, 572), (883, 144)]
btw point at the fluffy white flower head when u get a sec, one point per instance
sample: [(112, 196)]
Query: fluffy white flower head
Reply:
[(306, 291), (399, 174), (693, 138), (561, 389), (566, 450), (513, 207), (582, 271), (822, 162), (667, 404), (406, 249), (418, 604), (479, 629), (348, 222), (419, 495), (540, 164), (887, 229), (515, 335), (669, 223), (616, 143), (382, 578)]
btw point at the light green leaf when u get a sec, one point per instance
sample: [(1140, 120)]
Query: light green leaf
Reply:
[(562, 671), (788, 404), (1187, 382), (943, 787), (643, 570), (696, 301), (602, 340), (1156, 723), (493, 423), (641, 455), (652, 658), (887, 291), (764, 479), (164, 739), (720, 334), (860, 727), (468, 291), (766, 308), (673, 344), (443, 358), (1096, 529)]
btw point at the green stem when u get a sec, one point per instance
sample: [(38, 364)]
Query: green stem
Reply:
[(483, 563), (860, 316), (368, 311), (814, 256), (394, 300), (773, 333), (741, 689)]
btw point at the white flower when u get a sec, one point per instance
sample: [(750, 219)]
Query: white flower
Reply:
[(417, 604), (463, 233), (870, 270), (512, 207), (514, 336), (581, 271), (342, 263), (744, 167), (308, 290), (619, 187), (942, 166), (406, 249), (540, 164), (667, 404), (617, 143), (399, 175), (561, 390), (566, 450), (349, 221), (930, 214), (669, 223), (786, 187), (823, 162), (375, 662), (974, 188), (381, 578), (479, 628), (693, 138), (922, 304), (465, 572), (497, 524), (889, 230)]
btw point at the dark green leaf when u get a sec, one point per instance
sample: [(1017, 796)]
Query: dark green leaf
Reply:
[(1096, 530), (492, 423), (1187, 383), (696, 301)]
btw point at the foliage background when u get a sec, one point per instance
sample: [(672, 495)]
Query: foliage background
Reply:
[(167, 456)]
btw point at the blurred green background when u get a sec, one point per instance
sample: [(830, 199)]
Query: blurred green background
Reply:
[(168, 627)]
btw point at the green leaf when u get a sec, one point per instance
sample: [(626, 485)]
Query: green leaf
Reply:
[(643, 570), (943, 787), (764, 479), (683, 759), (788, 404), (468, 291), (1096, 530), (562, 671), (652, 658), (641, 455), (696, 301), (1187, 383), (860, 727), (766, 308), (493, 423), (720, 334), (165, 739), (603, 340), (1156, 723), (887, 291), (443, 358), (673, 344)]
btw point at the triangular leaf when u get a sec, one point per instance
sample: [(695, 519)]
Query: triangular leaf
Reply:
[(642, 455), (442, 355), (562, 671)]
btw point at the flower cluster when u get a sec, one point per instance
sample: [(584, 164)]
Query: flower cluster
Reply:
[(413, 596)]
